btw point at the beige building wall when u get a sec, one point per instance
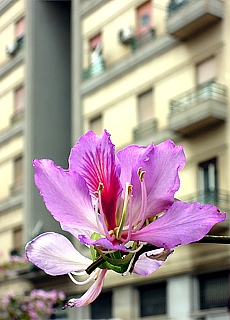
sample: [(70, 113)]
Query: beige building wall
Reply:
[(11, 136)]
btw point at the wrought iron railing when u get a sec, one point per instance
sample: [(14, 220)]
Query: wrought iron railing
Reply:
[(138, 42), (145, 129), (94, 69), (219, 198), (208, 90), (143, 38), (176, 5)]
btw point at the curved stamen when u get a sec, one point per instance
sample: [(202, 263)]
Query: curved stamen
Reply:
[(128, 193), (79, 273), (82, 283), (142, 213), (129, 231)]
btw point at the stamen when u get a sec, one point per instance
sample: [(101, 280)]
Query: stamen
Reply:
[(130, 221), (129, 266), (142, 213), (141, 174), (128, 194), (82, 283)]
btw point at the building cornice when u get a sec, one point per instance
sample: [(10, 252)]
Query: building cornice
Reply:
[(159, 46), (11, 203), (11, 64), (11, 132), (92, 6), (5, 5)]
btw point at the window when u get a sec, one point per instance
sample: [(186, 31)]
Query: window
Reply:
[(144, 18), (18, 104), (206, 71), (101, 308), (152, 299), (96, 125), (18, 174), (17, 240), (208, 181), (19, 99), (96, 58), (20, 28), (214, 290), (145, 106)]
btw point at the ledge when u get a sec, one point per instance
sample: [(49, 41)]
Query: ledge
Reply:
[(11, 203), (140, 56), (5, 5), (12, 63), (92, 6), (14, 130)]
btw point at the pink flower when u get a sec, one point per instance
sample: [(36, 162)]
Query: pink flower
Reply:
[(110, 200)]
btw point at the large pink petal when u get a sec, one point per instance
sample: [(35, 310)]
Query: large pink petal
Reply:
[(150, 261), (129, 158), (55, 254), (183, 223), (65, 194), (93, 157), (90, 295), (161, 164)]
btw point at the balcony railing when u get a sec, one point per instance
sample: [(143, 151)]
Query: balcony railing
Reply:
[(94, 69), (219, 198), (201, 108), (143, 38), (138, 42), (209, 90), (145, 129), (175, 5), (189, 17)]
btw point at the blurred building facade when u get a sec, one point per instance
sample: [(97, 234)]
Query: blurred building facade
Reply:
[(146, 71)]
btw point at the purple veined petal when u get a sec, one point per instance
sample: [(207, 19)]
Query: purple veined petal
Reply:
[(102, 242), (76, 231), (150, 261), (93, 157), (161, 164), (182, 223), (65, 194), (90, 295), (128, 158), (55, 254)]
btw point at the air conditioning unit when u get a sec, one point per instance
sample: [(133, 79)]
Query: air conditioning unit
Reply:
[(126, 35), (11, 48)]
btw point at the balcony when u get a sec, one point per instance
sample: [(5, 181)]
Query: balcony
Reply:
[(218, 198), (137, 43), (144, 129), (188, 17), (199, 109)]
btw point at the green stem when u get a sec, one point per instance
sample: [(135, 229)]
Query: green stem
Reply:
[(215, 239), (149, 247)]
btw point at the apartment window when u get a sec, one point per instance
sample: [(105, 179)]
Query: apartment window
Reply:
[(152, 299), (145, 106), (96, 58), (20, 28), (17, 239), (95, 125), (206, 71), (19, 99), (144, 17), (18, 171), (101, 308), (208, 181), (214, 290)]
